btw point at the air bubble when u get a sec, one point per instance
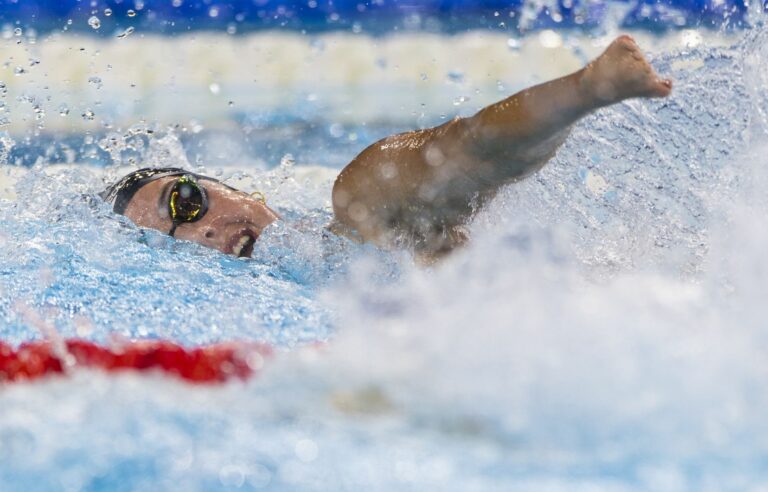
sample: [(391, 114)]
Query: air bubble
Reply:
[(63, 110), (19, 71), (214, 88), (131, 13), (107, 12), (94, 22), (88, 115)]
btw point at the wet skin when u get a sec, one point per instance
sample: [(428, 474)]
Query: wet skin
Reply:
[(233, 222), (420, 189)]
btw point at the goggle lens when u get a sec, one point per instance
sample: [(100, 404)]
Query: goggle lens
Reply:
[(188, 201)]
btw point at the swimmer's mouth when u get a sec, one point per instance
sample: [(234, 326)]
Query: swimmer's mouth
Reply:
[(241, 244)]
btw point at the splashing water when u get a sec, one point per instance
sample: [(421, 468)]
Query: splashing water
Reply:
[(604, 330)]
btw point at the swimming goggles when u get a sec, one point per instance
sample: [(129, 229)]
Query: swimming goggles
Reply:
[(187, 201)]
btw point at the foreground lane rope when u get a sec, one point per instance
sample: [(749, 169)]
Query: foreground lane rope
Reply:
[(209, 364)]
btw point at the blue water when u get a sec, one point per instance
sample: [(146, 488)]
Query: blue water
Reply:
[(604, 330), (380, 16)]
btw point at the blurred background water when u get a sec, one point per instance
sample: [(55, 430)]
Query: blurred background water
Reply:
[(603, 331)]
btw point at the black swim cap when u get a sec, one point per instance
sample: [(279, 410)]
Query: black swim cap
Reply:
[(120, 193)]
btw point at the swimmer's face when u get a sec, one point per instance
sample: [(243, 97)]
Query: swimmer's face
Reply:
[(232, 223)]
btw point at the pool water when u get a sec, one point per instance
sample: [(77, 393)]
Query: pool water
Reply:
[(603, 331)]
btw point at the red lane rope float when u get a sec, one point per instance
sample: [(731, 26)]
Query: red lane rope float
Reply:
[(209, 364)]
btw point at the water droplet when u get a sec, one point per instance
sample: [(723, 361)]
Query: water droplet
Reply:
[(213, 12), (88, 115), (455, 76), (19, 71), (126, 33), (94, 22), (107, 12), (336, 130), (176, 3), (424, 76), (550, 39), (231, 103), (231, 29), (95, 81), (196, 126), (63, 110), (460, 100), (287, 162), (131, 13), (214, 88), (513, 44), (17, 32)]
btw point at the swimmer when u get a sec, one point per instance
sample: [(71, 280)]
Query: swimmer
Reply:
[(417, 189)]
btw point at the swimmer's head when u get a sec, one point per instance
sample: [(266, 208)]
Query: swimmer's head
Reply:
[(192, 207)]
